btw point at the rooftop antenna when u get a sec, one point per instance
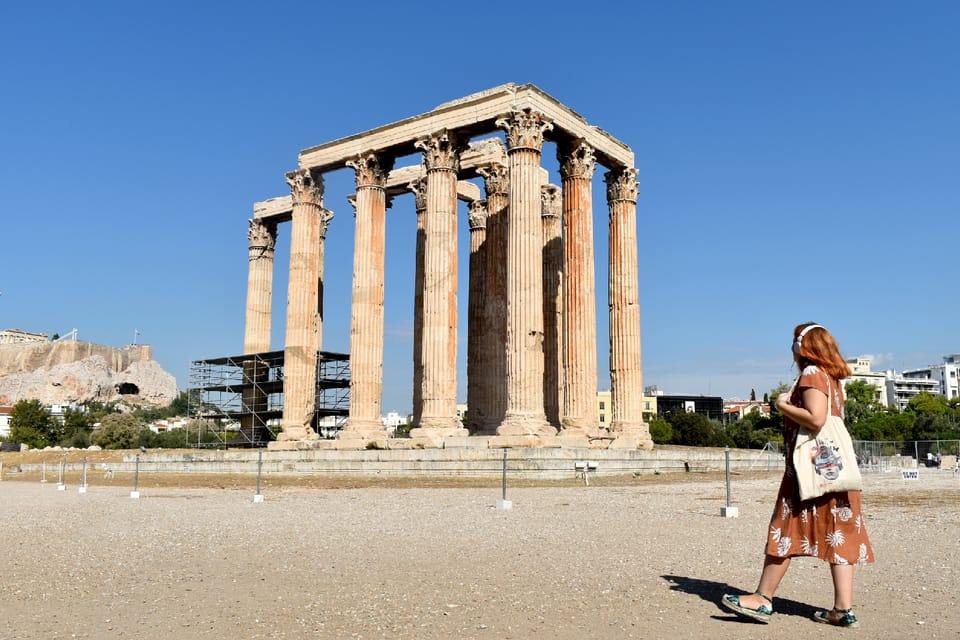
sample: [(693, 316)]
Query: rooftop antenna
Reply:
[(136, 333)]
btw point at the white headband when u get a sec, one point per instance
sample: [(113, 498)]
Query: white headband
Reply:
[(796, 345)]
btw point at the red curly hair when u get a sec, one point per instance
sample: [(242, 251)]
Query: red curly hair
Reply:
[(817, 347)]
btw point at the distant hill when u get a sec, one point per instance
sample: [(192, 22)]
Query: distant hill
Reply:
[(66, 371)]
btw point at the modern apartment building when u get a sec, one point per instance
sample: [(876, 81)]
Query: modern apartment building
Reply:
[(862, 371), (945, 374)]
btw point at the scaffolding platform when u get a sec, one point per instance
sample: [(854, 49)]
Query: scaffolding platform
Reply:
[(239, 399)]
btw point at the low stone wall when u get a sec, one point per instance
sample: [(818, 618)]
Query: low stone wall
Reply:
[(551, 463)]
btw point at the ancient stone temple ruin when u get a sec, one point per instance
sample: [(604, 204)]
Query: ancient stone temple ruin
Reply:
[(531, 347)]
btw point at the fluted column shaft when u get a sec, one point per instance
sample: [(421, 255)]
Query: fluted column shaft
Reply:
[(494, 333), (304, 304), (419, 189), (366, 309), (525, 413), (441, 156), (626, 374), (477, 378), (580, 309), (552, 301), (262, 238)]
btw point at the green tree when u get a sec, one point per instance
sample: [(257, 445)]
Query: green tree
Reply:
[(925, 402), (32, 425), (117, 431), (76, 429), (660, 431), (861, 401), (696, 430)]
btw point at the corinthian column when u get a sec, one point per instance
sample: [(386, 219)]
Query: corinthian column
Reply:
[(441, 157), (366, 311), (579, 302), (626, 373), (552, 301), (496, 179), (419, 189), (262, 237), (304, 305), (525, 414), (477, 378)]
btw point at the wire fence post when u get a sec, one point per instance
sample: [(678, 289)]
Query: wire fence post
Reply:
[(728, 511), (503, 503), (258, 496), (83, 476), (61, 484), (135, 494)]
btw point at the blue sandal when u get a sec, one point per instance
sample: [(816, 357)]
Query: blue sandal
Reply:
[(846, 619), (760, 614)]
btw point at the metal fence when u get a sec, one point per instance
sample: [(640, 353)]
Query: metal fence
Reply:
[(883, 456)]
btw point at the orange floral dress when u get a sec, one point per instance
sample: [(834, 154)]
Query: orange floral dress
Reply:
[(830, 527)]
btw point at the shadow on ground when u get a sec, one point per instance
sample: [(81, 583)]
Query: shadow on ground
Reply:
[(713, 591)]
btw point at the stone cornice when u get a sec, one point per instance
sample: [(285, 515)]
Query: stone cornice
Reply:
[(472, 116)]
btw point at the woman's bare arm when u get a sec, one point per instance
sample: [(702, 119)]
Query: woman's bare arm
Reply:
[(812, 415)]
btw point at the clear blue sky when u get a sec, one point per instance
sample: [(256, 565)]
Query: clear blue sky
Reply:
[(797, 162)]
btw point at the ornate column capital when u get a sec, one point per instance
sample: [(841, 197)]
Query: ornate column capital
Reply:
[(622, 185), (306, 187), (352, 199), (577, 159), (371, 169), (551, 201), (477, 214), (325, 217), (524, 129), (496, 179), (419, 189), (262, 237), (441, 151)]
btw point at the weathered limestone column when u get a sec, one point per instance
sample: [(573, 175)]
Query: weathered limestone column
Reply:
[(441, 156), (552, 301), (419, 189), (262, 237), (579, 416), (304, 305), (496, 179), (525, 415), (366, 311), (477, 378), (626, 373)]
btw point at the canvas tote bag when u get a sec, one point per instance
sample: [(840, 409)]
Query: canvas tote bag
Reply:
[(826, 462)]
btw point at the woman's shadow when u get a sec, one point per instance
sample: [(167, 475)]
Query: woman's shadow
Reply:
[(712, 592)]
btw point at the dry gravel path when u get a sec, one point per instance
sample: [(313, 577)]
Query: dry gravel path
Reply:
[(635, 559)]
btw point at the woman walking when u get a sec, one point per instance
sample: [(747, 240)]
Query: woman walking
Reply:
[(830, 527)]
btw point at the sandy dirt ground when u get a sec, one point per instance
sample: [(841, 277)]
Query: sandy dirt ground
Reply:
[(648, 557)]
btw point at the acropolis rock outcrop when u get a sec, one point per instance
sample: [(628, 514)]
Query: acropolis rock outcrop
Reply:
[(68, 371)]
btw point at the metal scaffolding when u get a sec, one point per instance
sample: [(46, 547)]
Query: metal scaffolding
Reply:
[(238, 400)]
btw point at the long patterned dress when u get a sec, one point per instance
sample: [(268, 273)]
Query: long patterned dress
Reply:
[(830, 527)]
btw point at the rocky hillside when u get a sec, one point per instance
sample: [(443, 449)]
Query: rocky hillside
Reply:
[(74, 371)]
